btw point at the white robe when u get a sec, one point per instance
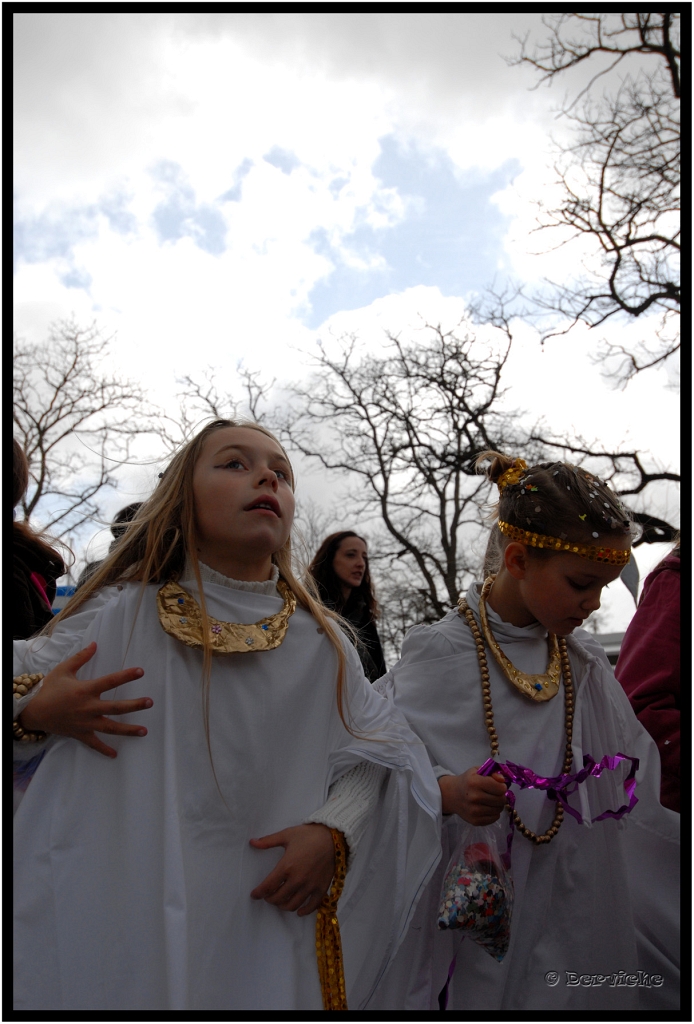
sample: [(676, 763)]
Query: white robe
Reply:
[(598, 899), (132, 877)]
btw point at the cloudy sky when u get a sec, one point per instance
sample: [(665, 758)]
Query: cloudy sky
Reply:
[(225, 187)]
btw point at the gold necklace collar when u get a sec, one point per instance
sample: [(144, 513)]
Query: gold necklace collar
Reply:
[(180, 617), (548, 836), (536, 687)]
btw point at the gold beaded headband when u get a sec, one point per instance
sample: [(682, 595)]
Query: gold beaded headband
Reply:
[(512, 475), (613, 556)]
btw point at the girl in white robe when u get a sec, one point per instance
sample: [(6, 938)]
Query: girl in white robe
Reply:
[(184, 874), (598, 903)]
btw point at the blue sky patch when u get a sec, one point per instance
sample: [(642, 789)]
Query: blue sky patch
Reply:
[(77, 278), (54, 233), (284, 159), (451, 235), (115, 208), (179, 216), (233, 195)]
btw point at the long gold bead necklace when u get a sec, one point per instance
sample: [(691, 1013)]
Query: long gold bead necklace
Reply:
[(466, 611)]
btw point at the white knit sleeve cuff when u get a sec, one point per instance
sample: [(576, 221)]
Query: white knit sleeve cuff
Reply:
[(20, 704), (351, 801)]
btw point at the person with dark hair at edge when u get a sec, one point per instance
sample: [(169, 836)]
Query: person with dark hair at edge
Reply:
[(340, 569), (35, 564)]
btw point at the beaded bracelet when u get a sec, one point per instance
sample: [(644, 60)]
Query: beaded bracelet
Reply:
[(21, 685)]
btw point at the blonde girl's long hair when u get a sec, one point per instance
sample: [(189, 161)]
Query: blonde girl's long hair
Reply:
[(154, 548)]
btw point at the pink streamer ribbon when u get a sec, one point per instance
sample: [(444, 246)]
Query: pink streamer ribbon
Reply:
[(557, 786)]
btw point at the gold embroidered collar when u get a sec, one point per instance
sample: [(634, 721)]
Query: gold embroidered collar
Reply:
[(180, 617), (537, 687)]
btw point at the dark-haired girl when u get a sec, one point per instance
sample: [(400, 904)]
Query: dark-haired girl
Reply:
[(341, 570), (510, 676)]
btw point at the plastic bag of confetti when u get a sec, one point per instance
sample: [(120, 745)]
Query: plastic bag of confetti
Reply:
[(477, 891)]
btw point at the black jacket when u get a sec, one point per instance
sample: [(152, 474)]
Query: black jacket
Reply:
[(356, 611)]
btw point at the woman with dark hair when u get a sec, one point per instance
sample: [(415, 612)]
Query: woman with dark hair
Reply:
[(35, 564), (340, 568)]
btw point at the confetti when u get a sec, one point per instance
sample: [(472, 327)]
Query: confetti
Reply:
[(555, 473), (476, 899), (583, 516), (606, 504), (538, 509), (596, 534)]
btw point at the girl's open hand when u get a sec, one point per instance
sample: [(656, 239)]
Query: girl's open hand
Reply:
[(69, 706), (302, 877), (478, 799)]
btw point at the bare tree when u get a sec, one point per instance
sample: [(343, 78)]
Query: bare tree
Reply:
[(620, 178), (76, 422), (204, 398), (626, 473), (406, 426)]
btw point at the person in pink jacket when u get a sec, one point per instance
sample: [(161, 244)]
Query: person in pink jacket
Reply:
[(649, 669)]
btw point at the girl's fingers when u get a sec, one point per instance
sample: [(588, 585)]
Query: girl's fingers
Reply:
[(125, 707), (293, 903), (93, 741), (311, 905), (120, 728), (489, 800), (78, 660), (114, 679), (266, 842), (286, 896), (270, 884)]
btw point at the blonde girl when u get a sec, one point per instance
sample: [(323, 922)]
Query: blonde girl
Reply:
[(510, 675), (155, 881)]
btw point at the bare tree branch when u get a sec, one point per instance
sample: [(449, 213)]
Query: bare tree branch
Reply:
[(206, 398), (76, 422), (620, 179), (407, 425)]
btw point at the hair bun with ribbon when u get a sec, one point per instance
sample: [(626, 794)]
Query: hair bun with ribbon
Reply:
[(513, 474)]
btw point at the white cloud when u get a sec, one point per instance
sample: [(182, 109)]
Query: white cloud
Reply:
[(282, 113)]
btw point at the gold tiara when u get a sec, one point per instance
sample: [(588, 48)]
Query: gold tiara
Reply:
[(513, 474), (613, 556)]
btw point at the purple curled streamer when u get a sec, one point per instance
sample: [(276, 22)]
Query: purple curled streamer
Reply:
[(556, 786)]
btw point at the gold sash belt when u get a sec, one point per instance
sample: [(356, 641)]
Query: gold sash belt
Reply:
[(328, 944)]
